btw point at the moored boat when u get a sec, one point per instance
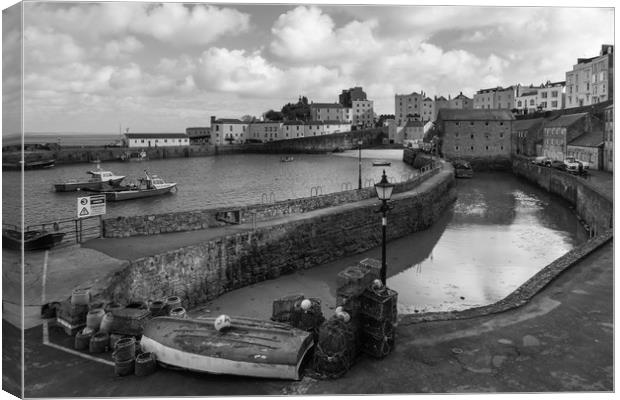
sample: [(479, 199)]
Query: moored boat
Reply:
[(40, 164), (462, 169), (96, 181), (287, 159), (381, 163), (150, 185), (249, 347), (134, 156), (32, 240)]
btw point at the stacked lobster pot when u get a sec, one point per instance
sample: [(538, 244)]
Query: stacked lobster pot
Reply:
[(335, 349), (351, 284), (72, 313), (284, 307), (308, 316), (379, 317)]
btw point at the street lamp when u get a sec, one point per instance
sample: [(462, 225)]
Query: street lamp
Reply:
[(384, 193), (359, 144)]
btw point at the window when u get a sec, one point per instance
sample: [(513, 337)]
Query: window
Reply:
[(543, 95), (472, 135), (501, 123), (472, 148), (456, 148), (456, 134), (142, 141), (554, 93), (502, 147), (531, 102), (471, 123), (554, 103), (519, 104), (486, 122), (165, 140), (487, 147), (456, 123), (231, 128)]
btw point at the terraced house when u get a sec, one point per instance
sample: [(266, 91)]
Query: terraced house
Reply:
[(591, 80), (562, 130), (527, 137), (227, 131)]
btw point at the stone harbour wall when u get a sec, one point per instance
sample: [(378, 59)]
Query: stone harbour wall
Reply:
[(591, 206), (203, 272), (142, 225)]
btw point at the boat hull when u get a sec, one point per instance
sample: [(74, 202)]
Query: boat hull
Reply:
[(28, 165), (249, 347), (120, 195), (33, 240), (74, 186)]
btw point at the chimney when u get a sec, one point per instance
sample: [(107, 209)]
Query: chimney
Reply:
[(212, 120)]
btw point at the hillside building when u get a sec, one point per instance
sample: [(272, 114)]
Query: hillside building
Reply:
[(591, 79), (326, 112), (226, 131), (562, 130)]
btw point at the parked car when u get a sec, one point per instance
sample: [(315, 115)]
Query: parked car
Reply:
[(573, 166), (557, 164), (541, 160)]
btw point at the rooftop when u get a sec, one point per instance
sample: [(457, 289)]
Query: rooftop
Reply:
[(325, 105), (156, 135), (229, 121), (414, 124), (564, 121), (590, 139), (449, 114), (527, 124)]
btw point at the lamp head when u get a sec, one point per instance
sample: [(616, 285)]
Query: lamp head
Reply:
[(384, 188)]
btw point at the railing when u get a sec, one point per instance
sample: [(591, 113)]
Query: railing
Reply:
[(75, 230)]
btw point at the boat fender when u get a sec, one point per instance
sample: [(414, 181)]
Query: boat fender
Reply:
[(222, 322)]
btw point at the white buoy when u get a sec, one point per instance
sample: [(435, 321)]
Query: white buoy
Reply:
[(338, 310), (306, 304), (376, 284), (344, 315), (221, 322)]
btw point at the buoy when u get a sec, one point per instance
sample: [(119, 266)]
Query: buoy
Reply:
[(338, 310), (344, 316), (222, 322), (306, 304), (377, 284)]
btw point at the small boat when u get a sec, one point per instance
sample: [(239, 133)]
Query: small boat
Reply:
[(32, 240), (462, 169), (287, 159), (249, 347), (150, 185), (381, 163), (17, 166), (134, 156), (96, 181)]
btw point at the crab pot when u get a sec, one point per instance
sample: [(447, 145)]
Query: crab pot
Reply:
[(352, 281), (335, 349), (283, 307), (309, 320), (380, 305), (350, 304), (377, 327), (372, 266), (377, 346)]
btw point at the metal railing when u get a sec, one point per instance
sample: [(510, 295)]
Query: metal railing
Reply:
[(76, 230)]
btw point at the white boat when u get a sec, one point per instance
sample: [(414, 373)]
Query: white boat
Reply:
[(150, 185), (97, 178), (381, 163), (249, 347)]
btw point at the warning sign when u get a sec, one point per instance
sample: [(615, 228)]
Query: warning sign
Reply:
[(91, 206)]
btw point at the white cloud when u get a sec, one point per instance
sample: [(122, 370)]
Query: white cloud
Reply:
[(308, 34)]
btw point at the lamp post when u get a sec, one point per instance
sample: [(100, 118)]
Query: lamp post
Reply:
[(384, 193), (359, 183)]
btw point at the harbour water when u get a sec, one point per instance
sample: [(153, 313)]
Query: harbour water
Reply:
[(499, 233), (203, 182)]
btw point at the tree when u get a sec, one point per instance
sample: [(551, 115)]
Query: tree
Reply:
[(248, 118), (272, 115), (383, 117), (300, 110)]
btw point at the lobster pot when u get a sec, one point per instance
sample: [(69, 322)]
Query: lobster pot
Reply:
[(380, 304), (124, 367), (309, 320), (94, 318), (352, 281), (377, 328), (99, 342), (80, 296), (335, 350), (109, 307), (372, 266), (72, 317), (377, 346), (157, 308), (350, 304), (172, 302), (129, 321), (141, 305), (94, 305), (145, 364), (283, 307), (178, 312), (125, 349)]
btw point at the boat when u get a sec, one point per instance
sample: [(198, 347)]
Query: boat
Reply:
[(97, 179), (249, 347), (381, 163), (150, 185), (462, 169), (286, 159), (134, 156), (17, 166), (32, 240)]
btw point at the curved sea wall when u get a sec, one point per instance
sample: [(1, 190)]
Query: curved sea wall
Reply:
[(202, 272), (143, 225), (591, 206)]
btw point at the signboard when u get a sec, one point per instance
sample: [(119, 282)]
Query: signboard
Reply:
[(90, 206)]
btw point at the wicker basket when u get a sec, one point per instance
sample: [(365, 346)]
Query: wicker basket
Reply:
[(129, 321)]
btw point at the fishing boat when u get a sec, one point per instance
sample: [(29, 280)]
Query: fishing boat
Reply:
[(381, 163), (16, 166), (97, 178), (462, 169), (249, 347), (286, 159), (32, 240), (150, 185)]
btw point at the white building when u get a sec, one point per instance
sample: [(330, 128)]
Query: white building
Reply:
[(293, 129), (551, 96), (362, 113), (142, 140), (591, 79), (265, 131), (228, 131), (326, 111)]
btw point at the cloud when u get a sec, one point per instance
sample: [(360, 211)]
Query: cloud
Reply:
[(172, 23), (307, 34), (250, 74)]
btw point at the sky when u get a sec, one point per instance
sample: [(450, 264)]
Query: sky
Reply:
[(162, 67)]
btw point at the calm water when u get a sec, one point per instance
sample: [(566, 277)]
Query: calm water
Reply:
[(203, 182), (499, 233)]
